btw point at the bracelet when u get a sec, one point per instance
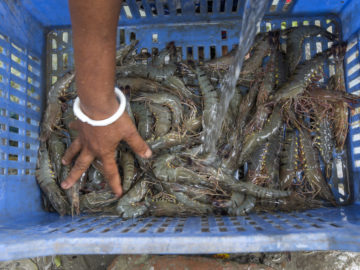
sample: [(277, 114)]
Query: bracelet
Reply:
[(101, 123)]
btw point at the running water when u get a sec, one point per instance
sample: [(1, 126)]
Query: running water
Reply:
[(253, 14)]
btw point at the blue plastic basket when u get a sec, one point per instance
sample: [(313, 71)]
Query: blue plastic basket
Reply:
[(35, 48)]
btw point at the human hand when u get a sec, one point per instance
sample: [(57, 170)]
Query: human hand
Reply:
[(101, 142)]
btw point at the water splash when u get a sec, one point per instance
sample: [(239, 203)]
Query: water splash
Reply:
[(252, 16)]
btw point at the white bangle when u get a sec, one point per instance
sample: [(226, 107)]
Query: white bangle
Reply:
[(101, 123)]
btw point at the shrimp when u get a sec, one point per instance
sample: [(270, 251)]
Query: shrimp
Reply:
[(301, 78), (56, 152), (127, 162), (162, 116), (169, 100), (144, 119), (128, 202), (46, 179), (312, 171), (270, 129), (52, 114), (295, 39)]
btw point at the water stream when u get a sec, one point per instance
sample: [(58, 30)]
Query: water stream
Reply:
[(252, 16)]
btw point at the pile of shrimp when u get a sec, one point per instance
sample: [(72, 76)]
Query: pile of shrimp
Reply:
[(284, 126)]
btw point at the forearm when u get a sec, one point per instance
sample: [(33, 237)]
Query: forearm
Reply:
[(94, 24)]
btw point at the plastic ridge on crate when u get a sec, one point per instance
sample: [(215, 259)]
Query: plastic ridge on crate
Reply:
[(35, 49)]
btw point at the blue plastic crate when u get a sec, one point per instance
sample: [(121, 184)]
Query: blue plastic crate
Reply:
[(33, 33)]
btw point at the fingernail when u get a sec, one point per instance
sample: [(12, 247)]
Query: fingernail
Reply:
[(148, 153), (63, 161), (64, 185)]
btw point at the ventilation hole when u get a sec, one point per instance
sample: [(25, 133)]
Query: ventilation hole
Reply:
[(132, 36), (178, 10), (189, 53), (17, 48), (274, 5), (197, 7), (13, 143), (240, 229), (335, 225), (210, 6), (278, 227), (287, 5), (247, 218), (15, 85), (65, 37), (321, 220), (223, 229), (205, 230), (122, 36), (297, 226), (65, 59), (180, 225), (13, 157), (233, 218), (268, 27), (258, 228), (236, 223), (127, 11), (69, 231), (221, 224), (53, 79), (155, 38), (34, 58), (55, 230), (53, 44), (160, 230), (16, 59), (88, 230), (212, 52), (316, 226), (153, 9), (201, 53), (14, 99), (222, 5), (54, 61), (309, 215), (307, 51), (178, 230), (252, 222), (179, 53), (13, 129), (234, 5), (127, 229)]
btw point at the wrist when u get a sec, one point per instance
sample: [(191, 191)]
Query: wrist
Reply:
[(99, 108)]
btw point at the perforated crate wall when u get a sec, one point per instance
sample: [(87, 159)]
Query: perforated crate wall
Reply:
[(20, 115)]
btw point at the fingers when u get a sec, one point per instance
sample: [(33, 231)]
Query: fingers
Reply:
[(111, 173), (71, 152), (137, 144), (82, 163)]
